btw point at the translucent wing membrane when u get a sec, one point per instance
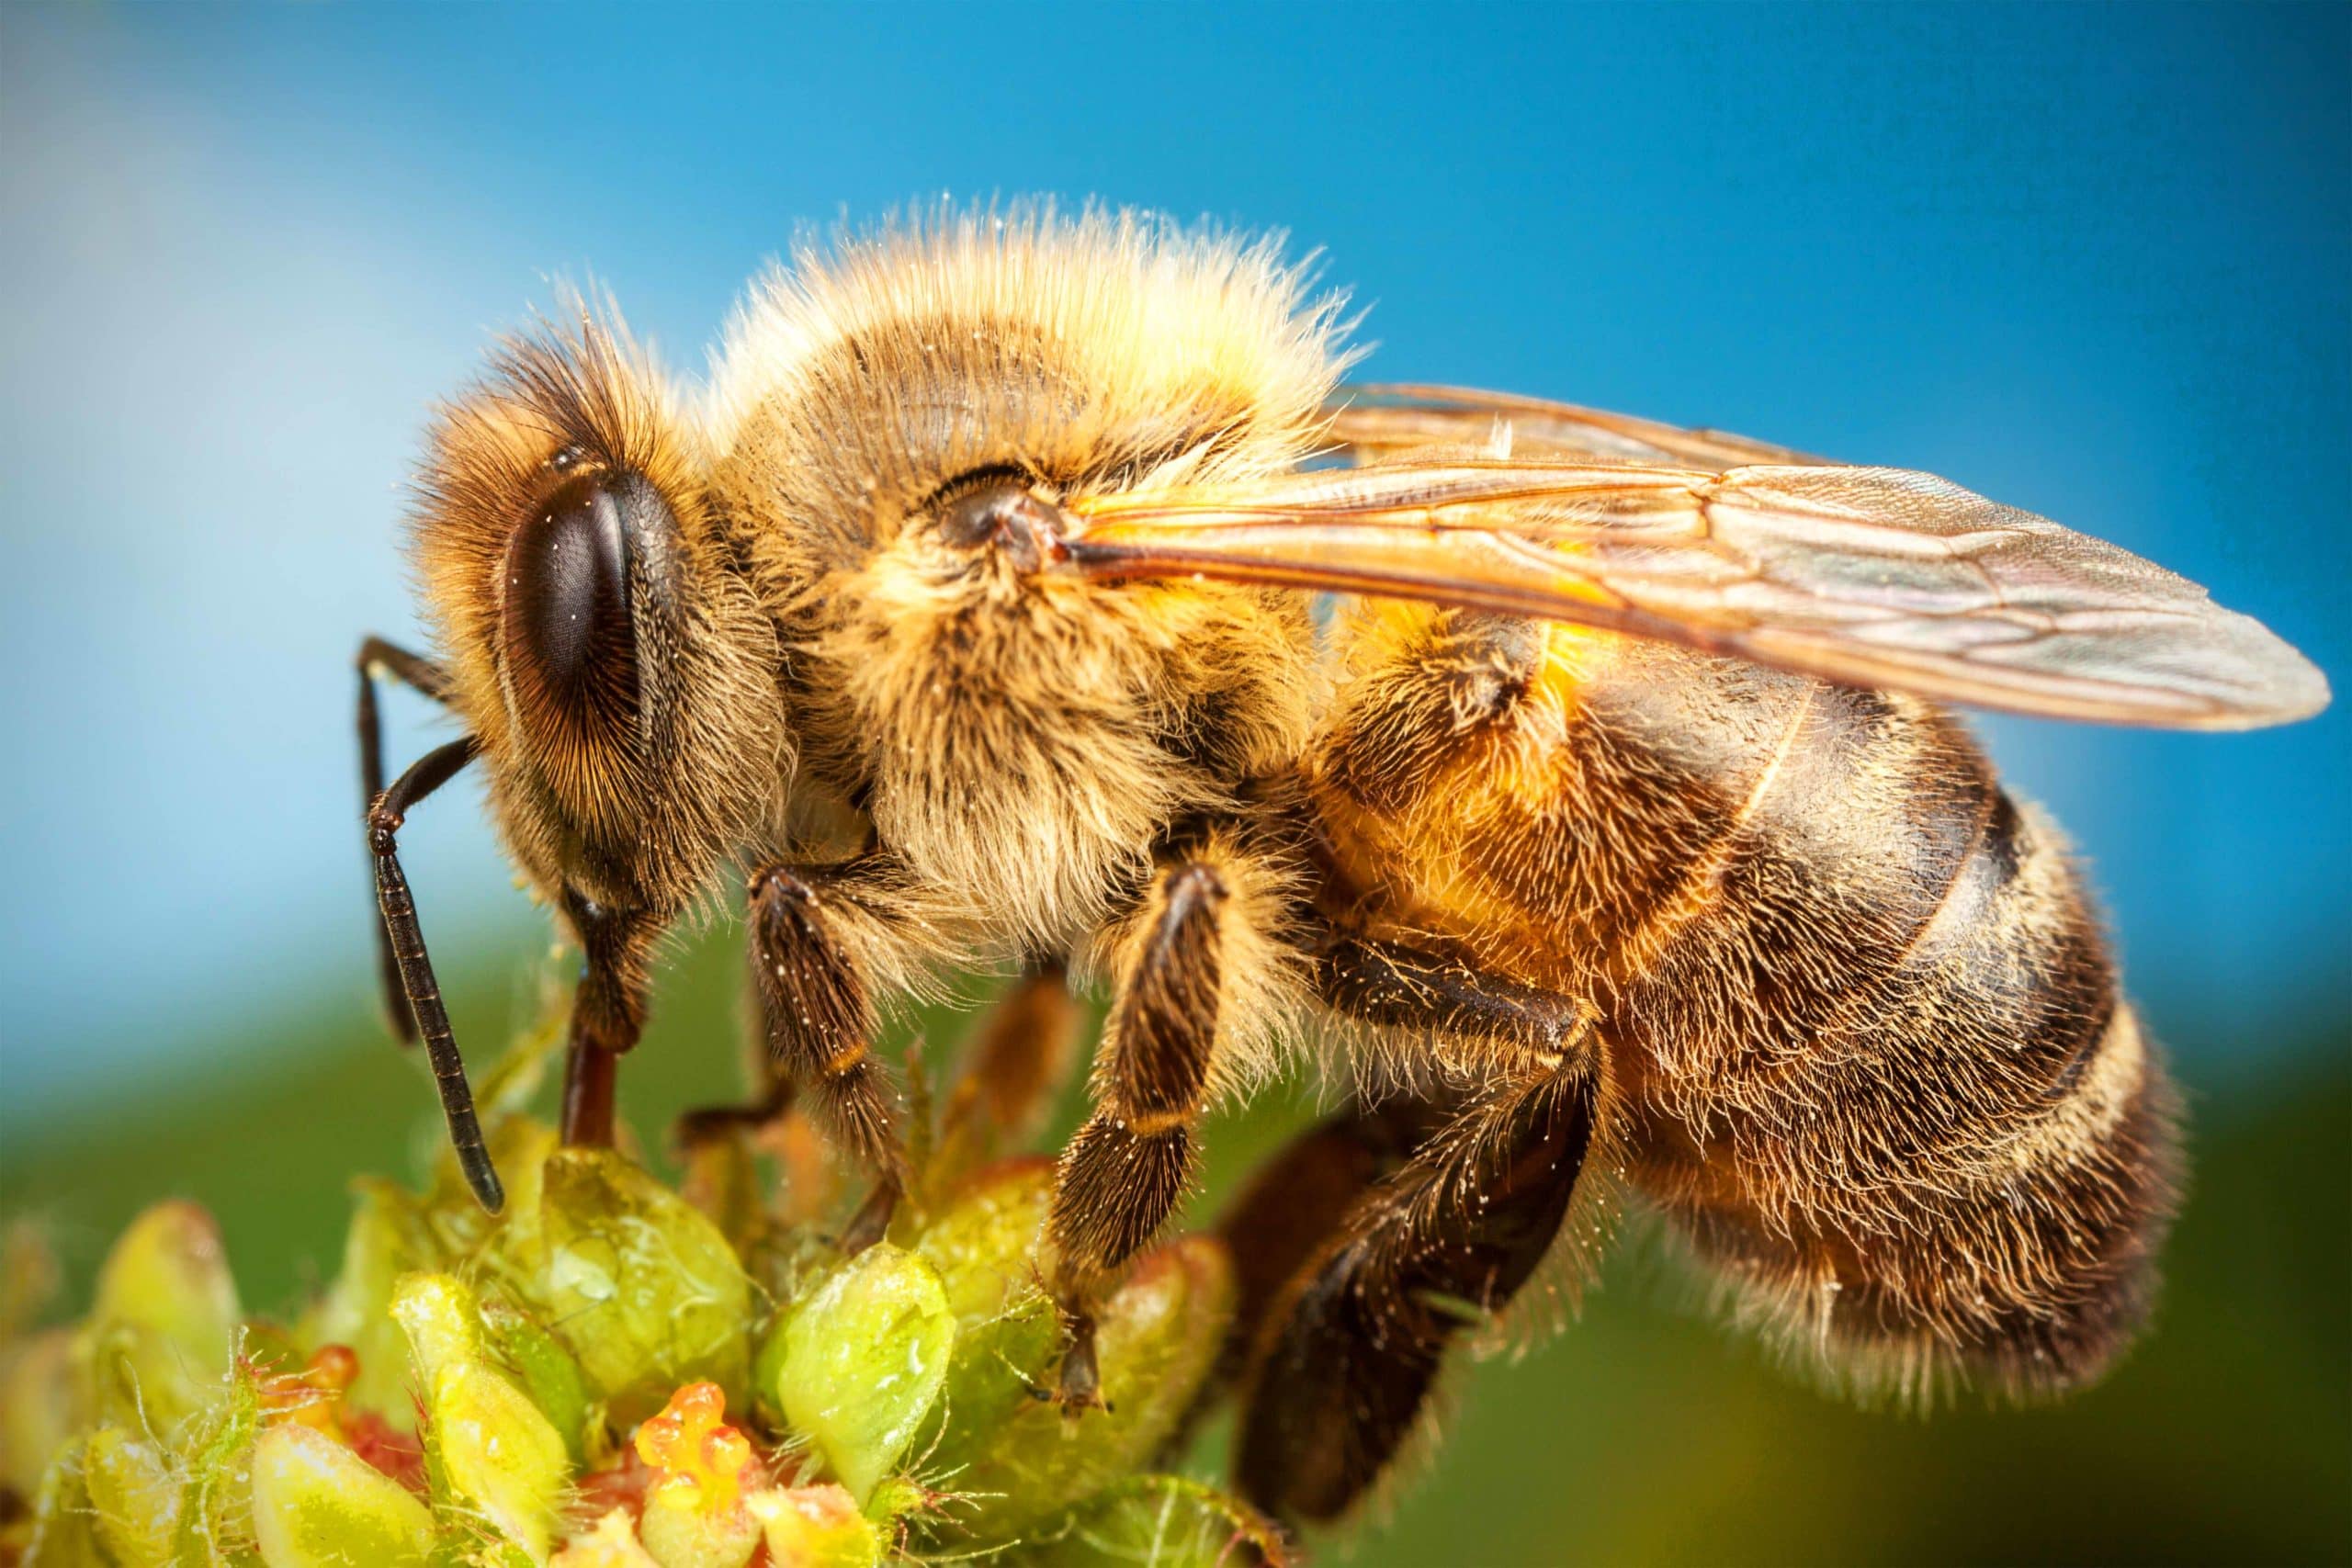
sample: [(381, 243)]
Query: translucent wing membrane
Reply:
[(1378, 420), (1875, 577)]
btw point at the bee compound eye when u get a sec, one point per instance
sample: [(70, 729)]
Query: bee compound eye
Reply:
[(570, 641)]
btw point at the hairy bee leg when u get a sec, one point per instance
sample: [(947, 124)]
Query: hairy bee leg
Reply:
[(818, 1011), (1296, 1203), (1301, 1200), (1401, 987), (607, 1015), (1123, 1172), (381, 658), (1293, 1205), (1355, 1342), (420, 992)]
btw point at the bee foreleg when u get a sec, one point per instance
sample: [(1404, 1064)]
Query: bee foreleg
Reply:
[(1354, 1342), (378, 657), (817, 1007), (1123, 1174), (419, 992)]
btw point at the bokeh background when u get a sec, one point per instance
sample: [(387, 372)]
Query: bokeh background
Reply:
[(2093, 262)]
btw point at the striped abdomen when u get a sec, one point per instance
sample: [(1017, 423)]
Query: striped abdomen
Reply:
[(1864, 1039)]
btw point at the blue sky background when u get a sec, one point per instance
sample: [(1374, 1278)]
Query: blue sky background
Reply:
[(2093, 262)]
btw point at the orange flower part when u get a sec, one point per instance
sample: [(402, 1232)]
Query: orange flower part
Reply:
[(310, 1397), (701, 1459)]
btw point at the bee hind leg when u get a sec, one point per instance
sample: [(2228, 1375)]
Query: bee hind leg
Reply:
[(1295, 1203), (1437, 996), (1351, 1345)]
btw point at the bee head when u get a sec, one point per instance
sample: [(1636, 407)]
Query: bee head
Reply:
[(612, 664), (900, 428)]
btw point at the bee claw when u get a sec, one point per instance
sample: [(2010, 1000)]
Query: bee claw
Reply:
[(872, 1221), (1078, 1388)]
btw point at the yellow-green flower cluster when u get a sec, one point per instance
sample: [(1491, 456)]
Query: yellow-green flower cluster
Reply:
[(613, 1373)]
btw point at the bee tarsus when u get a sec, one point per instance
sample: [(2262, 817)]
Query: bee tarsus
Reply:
[(404, 937)]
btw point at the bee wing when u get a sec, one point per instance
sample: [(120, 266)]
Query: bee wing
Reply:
[(1874, 577), (1385, 419)]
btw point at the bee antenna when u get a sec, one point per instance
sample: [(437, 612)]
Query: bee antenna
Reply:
[(406, 940)]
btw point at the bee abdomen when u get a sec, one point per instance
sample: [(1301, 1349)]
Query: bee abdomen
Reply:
[(1874, 1060), (2029, 1273), (1967, 1162)]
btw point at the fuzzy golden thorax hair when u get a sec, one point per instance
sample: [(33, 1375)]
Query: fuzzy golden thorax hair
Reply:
[(608, 657), (1011, 731)]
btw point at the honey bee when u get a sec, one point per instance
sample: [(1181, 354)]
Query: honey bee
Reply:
[(1613, 825)]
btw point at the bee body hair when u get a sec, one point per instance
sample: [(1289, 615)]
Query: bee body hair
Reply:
[(1868, 1049), (1615, 837), (1024, 735)]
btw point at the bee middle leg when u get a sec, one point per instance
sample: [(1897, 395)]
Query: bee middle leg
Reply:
[(1129, 1165), (709, 1124), (1014, 1067)]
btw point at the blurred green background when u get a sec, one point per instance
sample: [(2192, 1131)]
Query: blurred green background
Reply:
[(2096, 261)]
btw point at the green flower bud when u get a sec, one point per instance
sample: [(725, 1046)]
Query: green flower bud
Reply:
[(390, 1237), (135, 1495), (1156, 1340), (317, 1504), (218, 1480), (692, 1538), (157, 1345), (815, 1527), (498, 1455), (858, 1363), (548, 1372), (1164, 1520), (1005, 1334), (41, 1395), (520, 1149), (65, 1533), (612, 1544), (639, 1286), (438, 1313)]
